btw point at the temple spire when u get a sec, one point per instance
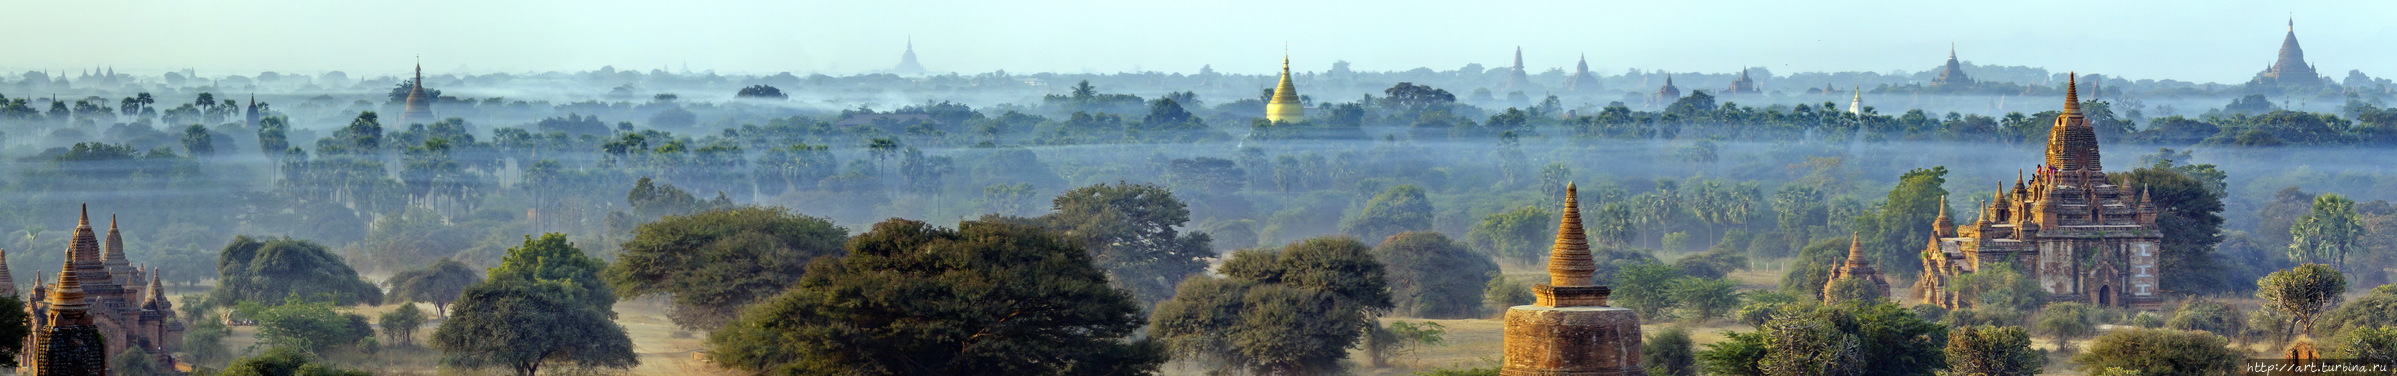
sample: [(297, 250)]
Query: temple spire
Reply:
[(2072, 94), (1856, 251), (1285, 106), (1569, 262)]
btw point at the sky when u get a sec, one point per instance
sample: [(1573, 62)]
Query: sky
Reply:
[(2196, 40)]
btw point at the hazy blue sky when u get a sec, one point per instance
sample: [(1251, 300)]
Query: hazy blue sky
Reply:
[(2187, 40)]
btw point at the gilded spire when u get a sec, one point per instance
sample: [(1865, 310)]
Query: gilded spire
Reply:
[(1285, 105), (2072, 94), (1569, 262), (68, 296)]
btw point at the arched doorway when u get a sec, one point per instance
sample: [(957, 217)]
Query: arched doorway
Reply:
[(2105, 296)]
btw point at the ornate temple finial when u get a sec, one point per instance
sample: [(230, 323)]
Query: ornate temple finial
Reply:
[(69, 294), (86, 221), (1569, 262), (1855, 250), (2072, 94)]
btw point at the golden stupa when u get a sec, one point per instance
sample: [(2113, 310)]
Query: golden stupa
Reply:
[(1285, 106)]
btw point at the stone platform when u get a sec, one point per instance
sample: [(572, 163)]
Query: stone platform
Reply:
[(1572, 341)]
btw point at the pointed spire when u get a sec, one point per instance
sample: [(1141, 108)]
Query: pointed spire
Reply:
[(68, 297), (2072, 95), (1856, 251), (1518, 58), (113, 251), (1569, 262)]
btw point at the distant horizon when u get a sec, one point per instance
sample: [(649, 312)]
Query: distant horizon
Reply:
[(2216, 43)]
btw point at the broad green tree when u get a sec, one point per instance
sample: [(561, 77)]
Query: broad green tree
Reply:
[(439, 284), (1520, 236), (2066, 321), (2377, 308), (713, 263), (250, 270), (1400, 209), (1297, 310), (2208, 315), (1431, 276), (1669, 353), (544, 305), (1833, 339), (285, 361), (2302, 292), (2160, 352), (312, 326), (1992, 351), (400, 324), (1133, 233), (988, 298)]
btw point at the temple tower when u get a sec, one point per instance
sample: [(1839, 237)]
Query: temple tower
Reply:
[(1953, 73), (907, 61), (420, 107), (1582, 80), (1743, 85), (2290, 69), (1517, 78), (1858, 266), (1568, 329), (1285, 105), (70, 344), (2071, 142), (1667, 94)]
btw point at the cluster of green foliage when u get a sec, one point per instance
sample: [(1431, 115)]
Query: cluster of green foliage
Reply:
[(282, 361), (715, 262), (307, 325), (994, 297), (1132, 232), (1431, 276), (1295, 310), (1992, 350), (249, 270), (545, 304), (439, 283), (2160, 352), (1660, 291), (1833, 339)]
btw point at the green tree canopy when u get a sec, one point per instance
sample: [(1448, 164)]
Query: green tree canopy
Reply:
[(2327, 233), (1298, 310), (2377, 308), (1992, 351), (1521, 236), (2160, 352), (270, 270), (989, 298), (1132, 232), (1432, 276), (713, 263), (13, 329), (283, 361), (311, 326), (400, 324), (2302, 292), (543, 305), (1833, 339), (439, 284), (1400, 209)]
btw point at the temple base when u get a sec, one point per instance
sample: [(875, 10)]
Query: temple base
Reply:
[(1572, 341)]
